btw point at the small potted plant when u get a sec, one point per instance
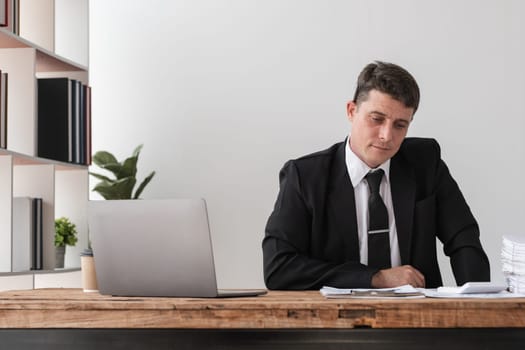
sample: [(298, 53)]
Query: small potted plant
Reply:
[(65, 234)]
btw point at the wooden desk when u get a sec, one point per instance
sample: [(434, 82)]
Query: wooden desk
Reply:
[(287, 320)]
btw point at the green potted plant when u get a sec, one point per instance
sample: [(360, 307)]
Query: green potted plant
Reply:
[(124, 181), (65, 234)]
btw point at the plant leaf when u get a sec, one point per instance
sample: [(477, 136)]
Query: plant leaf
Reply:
[(143, 184), (65, 232), (120, 189), (125, 175), (102, 158), (137, 150), (129, 167), (101, 177), (116, 169)]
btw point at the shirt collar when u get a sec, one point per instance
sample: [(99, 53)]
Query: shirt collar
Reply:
[(357, 169)]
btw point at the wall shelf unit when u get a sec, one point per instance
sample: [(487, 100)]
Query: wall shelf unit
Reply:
[(45, 48)]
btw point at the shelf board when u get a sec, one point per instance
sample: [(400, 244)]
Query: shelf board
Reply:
[(22, 159), (39, 272), (47, 61)]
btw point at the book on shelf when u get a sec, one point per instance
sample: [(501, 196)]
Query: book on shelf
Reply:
[(12, 15), (22, 234), (53, 118), (3, 109), (3, 13), (73, 121), (62, 120), (82, 125), (76, 114), (89, 150), (83, 132), (27, 234), (37, 259)]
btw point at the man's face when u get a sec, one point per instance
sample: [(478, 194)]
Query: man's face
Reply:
[(379, 125)]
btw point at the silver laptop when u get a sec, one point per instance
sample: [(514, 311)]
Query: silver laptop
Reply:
[(155, 248)]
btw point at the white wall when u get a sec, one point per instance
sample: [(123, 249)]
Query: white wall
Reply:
[(223, 92)]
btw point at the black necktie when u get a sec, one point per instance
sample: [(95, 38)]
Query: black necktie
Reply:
[(378, 230)]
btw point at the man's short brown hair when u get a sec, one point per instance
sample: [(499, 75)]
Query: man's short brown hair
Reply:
[(390, 79)]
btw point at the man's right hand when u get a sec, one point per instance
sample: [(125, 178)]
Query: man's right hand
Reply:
[(398, 276)]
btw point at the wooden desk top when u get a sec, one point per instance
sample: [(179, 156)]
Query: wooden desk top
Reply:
[(72, 308)]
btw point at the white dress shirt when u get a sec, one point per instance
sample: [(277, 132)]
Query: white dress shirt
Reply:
[(357, 170)]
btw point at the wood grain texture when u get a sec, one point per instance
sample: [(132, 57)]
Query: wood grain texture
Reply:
[(72, 308)]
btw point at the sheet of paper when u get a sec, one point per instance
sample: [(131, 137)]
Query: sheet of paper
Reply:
[(406, 291), (513, 262), (433, 293)]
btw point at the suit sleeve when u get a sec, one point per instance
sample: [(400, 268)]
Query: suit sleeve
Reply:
[(288, 263), (458, 230)]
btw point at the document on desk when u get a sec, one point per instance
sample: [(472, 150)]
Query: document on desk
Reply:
[(472, 290), (406, 292), (477, 290), (433, 293)]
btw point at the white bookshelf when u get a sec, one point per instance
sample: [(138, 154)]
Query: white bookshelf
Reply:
[(38, 181), (72, 23), (71, 194), (6, 192), (53, 42), (37, 22), (19, 64), (63, 278), (58, 26), (18, 281)]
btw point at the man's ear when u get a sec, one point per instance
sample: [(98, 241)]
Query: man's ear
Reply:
[(351, 109)]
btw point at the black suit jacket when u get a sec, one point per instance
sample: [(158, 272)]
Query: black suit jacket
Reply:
[(311, 236)]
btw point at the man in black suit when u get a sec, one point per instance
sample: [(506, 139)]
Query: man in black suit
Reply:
[(322, 231)]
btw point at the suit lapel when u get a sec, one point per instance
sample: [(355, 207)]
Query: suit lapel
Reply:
[(342, 204), (403, 189)]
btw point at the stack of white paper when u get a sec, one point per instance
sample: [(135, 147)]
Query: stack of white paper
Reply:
[(513, 262), (406, 291)]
